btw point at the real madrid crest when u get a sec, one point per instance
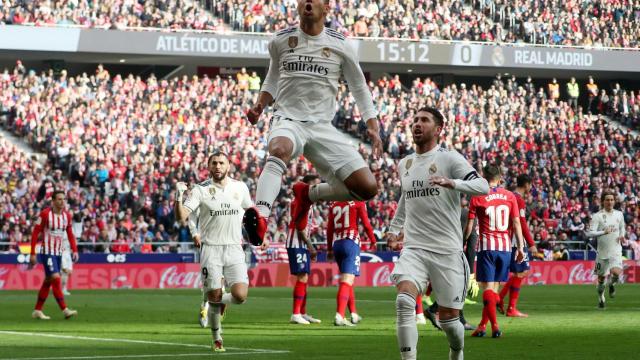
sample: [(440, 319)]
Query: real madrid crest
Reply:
[(293, 41), (409, 163), (326, 52), (432, 169), (212, 191)]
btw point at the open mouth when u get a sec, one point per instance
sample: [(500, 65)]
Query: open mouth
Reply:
[(308, 8)]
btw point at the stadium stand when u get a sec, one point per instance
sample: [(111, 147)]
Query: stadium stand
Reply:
[(601, 23)]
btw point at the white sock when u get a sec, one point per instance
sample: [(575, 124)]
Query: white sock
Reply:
[(406, 326), (269, 185), (64, 279), (214, 320), (227, 299), (331, 192), (455, 334)]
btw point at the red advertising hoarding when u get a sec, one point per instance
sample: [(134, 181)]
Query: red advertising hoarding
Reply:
[(187, 275)]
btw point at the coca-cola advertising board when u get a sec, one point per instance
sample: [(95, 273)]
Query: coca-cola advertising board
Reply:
[(187, 275)]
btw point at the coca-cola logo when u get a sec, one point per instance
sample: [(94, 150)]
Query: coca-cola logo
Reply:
[(172, 278), (580, 275), (382, 276)]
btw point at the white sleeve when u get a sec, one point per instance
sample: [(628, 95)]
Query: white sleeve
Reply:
[(193, 201), (246, 197), (465, 176), (357, 83), (622, 228), (592, 231), (397, 223), (270, 84), (193, 222)]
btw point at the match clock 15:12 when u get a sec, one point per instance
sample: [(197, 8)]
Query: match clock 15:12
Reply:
[(404, 52)]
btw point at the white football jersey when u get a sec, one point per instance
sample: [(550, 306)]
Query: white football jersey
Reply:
[(221, 210), (428, 214), (608, 244), (304, 72)]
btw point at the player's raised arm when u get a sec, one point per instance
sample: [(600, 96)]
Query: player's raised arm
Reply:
[(269, 86), (192, 203), (358, 87)]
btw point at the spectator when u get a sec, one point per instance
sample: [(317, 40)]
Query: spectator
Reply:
[(573, 90)]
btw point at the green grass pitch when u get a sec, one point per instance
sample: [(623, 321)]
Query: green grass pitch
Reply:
[(564, 323)]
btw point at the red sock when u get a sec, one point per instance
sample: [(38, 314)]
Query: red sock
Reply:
[(505, 288), (343, 297), (299, 295), (57, 292), (352, 300), (43, 294), (419, 307), (490, 299), (514, 292)]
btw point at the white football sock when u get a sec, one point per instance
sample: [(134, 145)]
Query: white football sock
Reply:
[(332, 192), (406, 326), (214, 320), (455, 334), (269, 185), (64, 279)]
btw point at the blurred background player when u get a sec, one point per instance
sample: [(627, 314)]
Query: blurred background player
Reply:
[(301, 253), (497, 214), (429, 213), (221, 201), (307, 62), (519, 270), (342, 226), (66, 266), (53, 222), (607, 225)]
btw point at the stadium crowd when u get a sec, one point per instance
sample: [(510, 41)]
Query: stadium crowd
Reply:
[(599, 23), (119, 144), (109, 14)]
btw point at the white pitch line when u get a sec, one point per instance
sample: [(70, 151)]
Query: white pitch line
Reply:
[(253, 351), (150, 355)]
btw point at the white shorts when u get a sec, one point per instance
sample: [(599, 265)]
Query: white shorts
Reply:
[(218, 261), (603, 266), (329, 150), (67, 261), (447, 273)]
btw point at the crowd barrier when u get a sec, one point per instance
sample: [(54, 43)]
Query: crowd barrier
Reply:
[(123, 273)]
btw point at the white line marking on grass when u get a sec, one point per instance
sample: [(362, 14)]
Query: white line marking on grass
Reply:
[(253, 351), (150, 355)]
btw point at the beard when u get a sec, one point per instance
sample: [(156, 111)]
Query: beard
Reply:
[(219, 178)]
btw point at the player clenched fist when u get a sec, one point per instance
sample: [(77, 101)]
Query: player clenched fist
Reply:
[(394, 242)]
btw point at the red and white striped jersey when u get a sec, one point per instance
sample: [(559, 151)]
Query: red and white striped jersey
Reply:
[(343, 221), (53, 227), (495, 212)]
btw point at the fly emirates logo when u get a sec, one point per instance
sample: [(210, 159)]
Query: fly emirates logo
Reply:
[(305, 64), (225, 210), (419, 189)]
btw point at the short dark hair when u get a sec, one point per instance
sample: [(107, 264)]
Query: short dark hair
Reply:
[(56, 193), (491, 172), (522, 180), (607, 192), (217, 153), (437, 115), (309, 178)]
